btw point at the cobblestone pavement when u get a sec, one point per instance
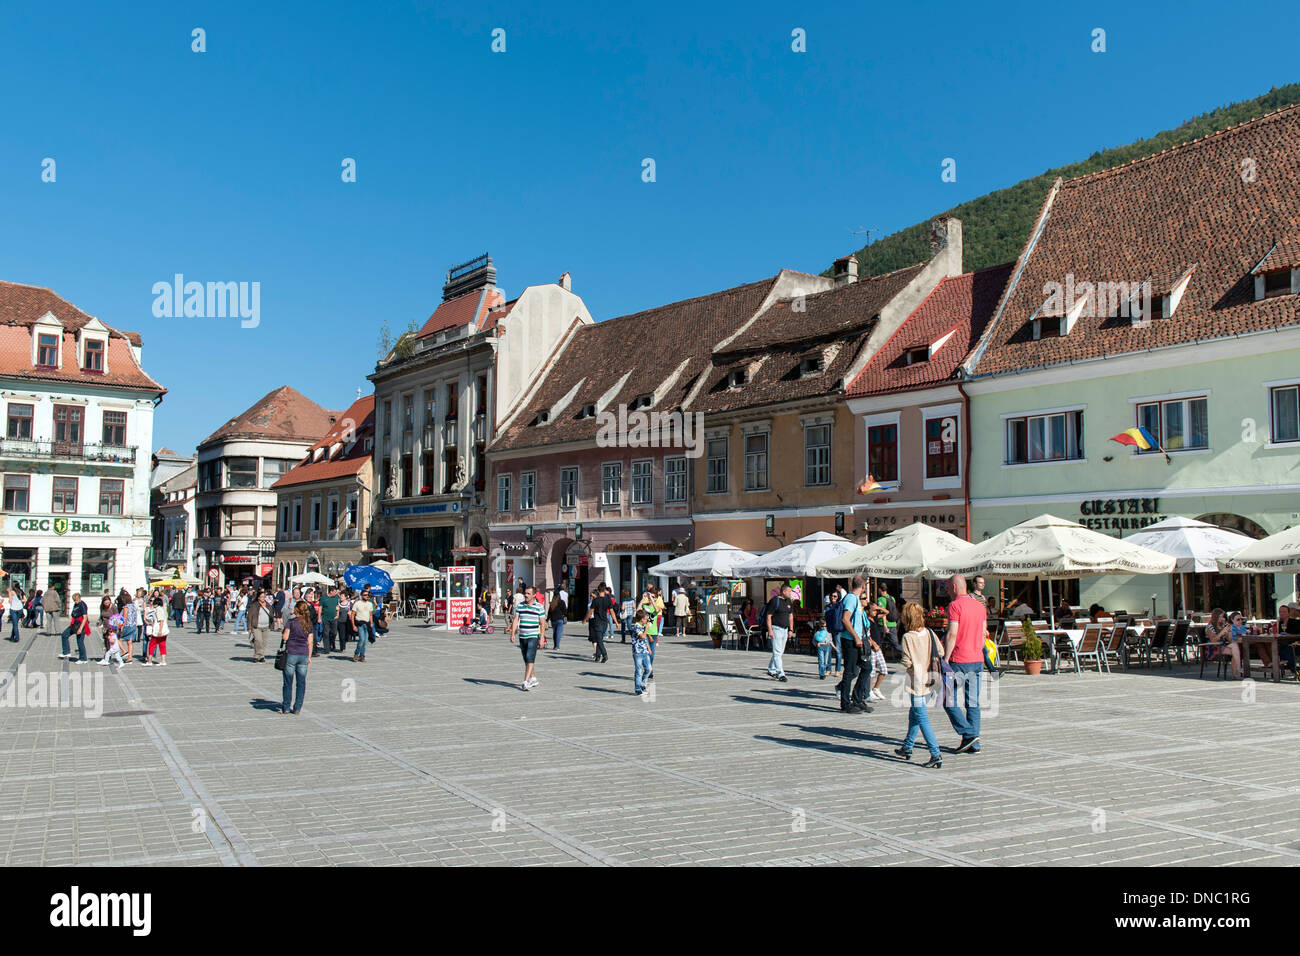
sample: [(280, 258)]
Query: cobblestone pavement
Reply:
[(435, 756)]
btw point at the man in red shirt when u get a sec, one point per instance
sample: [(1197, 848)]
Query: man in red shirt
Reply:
[(967, 628)]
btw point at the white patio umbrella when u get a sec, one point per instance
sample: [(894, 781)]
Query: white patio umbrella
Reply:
[(405, 571), (799, 559), (908, 552), (717, 560), (311, 577), (1195, 545), (1051, 547), (1277, 554)]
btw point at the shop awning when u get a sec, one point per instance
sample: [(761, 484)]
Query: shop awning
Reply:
[(472, 550)]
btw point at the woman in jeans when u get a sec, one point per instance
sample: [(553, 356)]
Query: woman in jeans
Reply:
[(557, 614), (918, 660), (297, 639)]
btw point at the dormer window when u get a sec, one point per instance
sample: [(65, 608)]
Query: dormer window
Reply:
[(92, 359), (736, 378), (642, 401), (812, 365), (588, 411), (1047, 327), (916, 355), (543, 417), (1275, 283), (47, 351)]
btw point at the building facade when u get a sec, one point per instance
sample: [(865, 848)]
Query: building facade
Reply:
[(325, 501), (1185, 323), (174, 512), (74, 456), (438, 398), (238, 465)]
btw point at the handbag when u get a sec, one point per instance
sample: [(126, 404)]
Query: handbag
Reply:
[(282, 656)]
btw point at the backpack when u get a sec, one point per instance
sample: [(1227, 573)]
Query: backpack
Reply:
[(835, 616)]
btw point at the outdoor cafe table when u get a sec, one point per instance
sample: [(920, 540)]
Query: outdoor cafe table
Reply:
[(1267, 639), (1073, 635)]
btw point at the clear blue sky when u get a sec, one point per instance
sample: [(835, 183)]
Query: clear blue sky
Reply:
[(225, 165)]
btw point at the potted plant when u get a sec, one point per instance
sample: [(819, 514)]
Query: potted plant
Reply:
[(1031, 651), (716, 633)]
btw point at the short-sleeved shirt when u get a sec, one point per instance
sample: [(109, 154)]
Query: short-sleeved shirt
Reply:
[(362, 610), (640, 642), (778, 609), (972, 618), (854, 606), (530, 618), (329, 607), (297, 637), (652, 628)]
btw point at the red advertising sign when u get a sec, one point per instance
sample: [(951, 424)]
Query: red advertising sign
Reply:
[(460, 611), (263, 570)]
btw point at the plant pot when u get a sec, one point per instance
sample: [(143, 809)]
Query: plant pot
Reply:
[(717, 640), (1033, 667)]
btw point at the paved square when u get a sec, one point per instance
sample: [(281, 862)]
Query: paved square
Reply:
[(435, 756)]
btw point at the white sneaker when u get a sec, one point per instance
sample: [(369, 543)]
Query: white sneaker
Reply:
[(102, 663), (147, 664), (877, 695), (164, 664), (525, 685), (533, 682)]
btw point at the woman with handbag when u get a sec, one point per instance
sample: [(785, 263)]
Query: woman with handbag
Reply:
[(920, 662), (294, 656)]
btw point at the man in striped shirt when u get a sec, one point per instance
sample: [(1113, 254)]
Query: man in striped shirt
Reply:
[(526, 624)]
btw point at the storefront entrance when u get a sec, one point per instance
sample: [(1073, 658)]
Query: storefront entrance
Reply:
[(20, 566)]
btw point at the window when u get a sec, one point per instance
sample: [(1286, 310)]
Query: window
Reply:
[(1047, 327), (428, 407), (352, 512), (47, 351), (115, 429), (20, 421), (916, 355), (273, 469), (241, 472), (388, 418), (527, 490), (65, 496), (480, 407), (642, 401), (97, 566), (1176, 425), (110, 496), (297, 515), (451, 401), (587, 411), (408, 413), (1054, 437), (674, 479), (817, 455), (284, 518), (810, 366), (67, 427), (642, 482), (94, 356), (209, 475), (17, 488), (332, 515), (715, 450), (60, 557), (1277, 283), (882, 452), (1284, 405), (756, 462), (503, 492), (611, 483), (568, 488), (941, 447)]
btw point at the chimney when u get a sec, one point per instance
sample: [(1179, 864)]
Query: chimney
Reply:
[(945, 243), (846, 270), (472, 276), (566, 282)]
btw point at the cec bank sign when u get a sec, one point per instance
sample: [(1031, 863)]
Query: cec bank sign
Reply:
[(58, 525)]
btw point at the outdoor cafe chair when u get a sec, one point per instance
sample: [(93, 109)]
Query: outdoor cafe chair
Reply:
[(1113, 636), (1180, 640), (1160, 644), (1062, 646), (743, 630), (1090, 646)]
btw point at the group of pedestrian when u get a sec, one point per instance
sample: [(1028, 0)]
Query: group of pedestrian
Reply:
[(122, 621)]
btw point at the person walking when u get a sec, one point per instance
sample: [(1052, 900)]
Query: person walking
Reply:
[(362, 617), (598, 619), (886, 600), (131, 621), (297, 641), (78, 625), (345, 619), (203, 612), (15, 612), (681, 609), (556, 615), (920, 660), (178, 607), (854, 650), (53, 604), (964, 650), (626, 614), (155, 622), (640, 654), (36, 611), (777, 614), (106, 610), (329, 619), (526, 629), (241, 611), (218, 609), (647, 604), (259, 624)]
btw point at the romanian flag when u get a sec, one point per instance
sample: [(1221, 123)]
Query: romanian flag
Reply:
[(868, 485), (1141, 438)]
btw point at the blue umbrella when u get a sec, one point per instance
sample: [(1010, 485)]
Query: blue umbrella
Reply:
[(360, 576)]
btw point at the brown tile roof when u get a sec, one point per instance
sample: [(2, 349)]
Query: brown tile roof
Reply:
[(470, 307), (360, 417), (284, 414), (825, 315), (1154, 217), (647, 347), (1285, 255), (20, 307), (962, 305)]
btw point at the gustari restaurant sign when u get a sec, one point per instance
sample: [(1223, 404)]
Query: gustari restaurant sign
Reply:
[(59, 525)]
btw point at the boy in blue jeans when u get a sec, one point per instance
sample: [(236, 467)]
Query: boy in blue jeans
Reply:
[(640, 652), (823, 641)]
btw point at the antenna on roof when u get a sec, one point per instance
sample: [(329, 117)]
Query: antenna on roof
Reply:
[(865, 233)]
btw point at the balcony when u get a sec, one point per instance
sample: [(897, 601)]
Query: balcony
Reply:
[(449, 433), (480, 429), (24, 449)]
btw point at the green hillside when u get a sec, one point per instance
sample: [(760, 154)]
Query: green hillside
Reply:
[(995, 226)]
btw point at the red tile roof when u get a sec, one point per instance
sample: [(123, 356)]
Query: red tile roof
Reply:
[(284, 414), (1198, 203), (471, 307), (360, 419), (20, 307), (962, 305), (647, 347)]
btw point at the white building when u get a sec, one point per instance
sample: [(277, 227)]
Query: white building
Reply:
[(174, 511), (74, 455)]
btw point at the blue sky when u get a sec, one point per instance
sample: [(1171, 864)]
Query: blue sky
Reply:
[(225, 165)]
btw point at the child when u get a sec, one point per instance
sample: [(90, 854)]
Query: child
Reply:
[(1238, 627), (823, 641), (155, 620), (111, 648), (640, 651)]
